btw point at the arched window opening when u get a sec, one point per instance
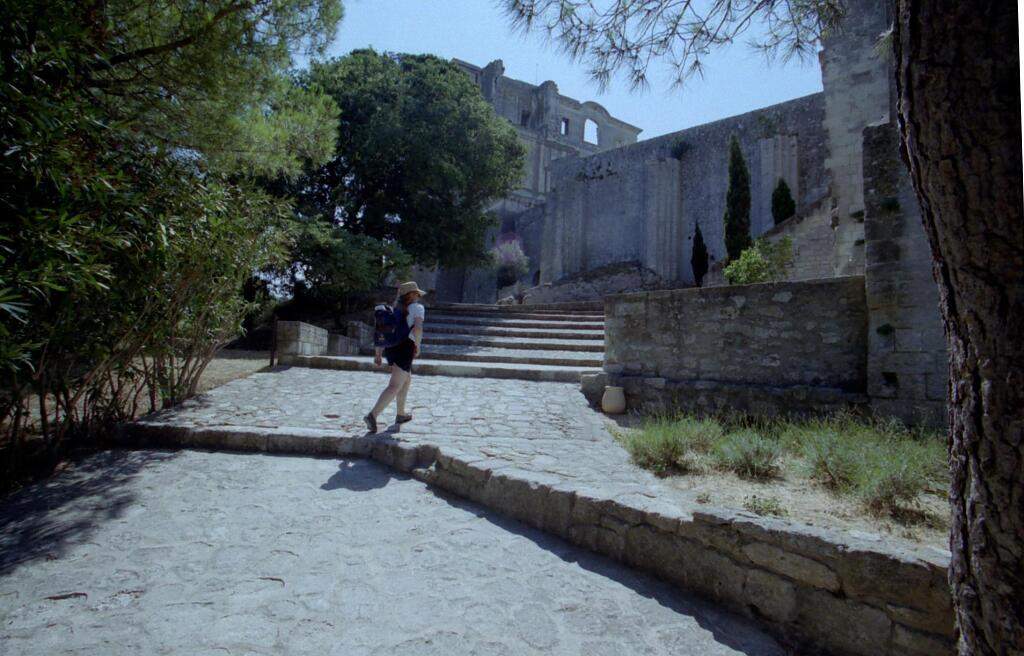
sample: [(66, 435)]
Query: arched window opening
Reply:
[(590, 132)]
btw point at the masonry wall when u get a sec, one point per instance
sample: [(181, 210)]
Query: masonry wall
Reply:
[(908, 365), (643, 202), (858, 82), (766, 349)]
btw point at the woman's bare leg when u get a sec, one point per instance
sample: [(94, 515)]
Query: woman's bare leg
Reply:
[(403, 393), (398, 377)]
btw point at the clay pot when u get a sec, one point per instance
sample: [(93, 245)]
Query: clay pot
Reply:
[(613, 402)]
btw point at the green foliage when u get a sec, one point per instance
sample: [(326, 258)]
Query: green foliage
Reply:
[(128, 226), (884, 465), (420, 157), (737, 202), (329, 264), (509, 261), (749, 454), (699, 258), (666, 445), (762, 262), (783, 205)]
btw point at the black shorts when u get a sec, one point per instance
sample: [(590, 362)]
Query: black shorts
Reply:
[(401, 355)]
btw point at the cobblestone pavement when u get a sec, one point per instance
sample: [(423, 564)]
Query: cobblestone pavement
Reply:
[(201, 553), (544, 428)]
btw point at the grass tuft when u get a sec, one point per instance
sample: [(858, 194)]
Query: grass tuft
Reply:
[(749, 454), (883, 464)]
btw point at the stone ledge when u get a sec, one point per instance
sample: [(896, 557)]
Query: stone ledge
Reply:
[(842, 594)]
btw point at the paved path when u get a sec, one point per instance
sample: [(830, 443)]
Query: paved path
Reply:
[(543, 428), (200, 553)]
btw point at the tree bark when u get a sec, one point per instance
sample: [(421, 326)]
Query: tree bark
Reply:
[(959, 112)]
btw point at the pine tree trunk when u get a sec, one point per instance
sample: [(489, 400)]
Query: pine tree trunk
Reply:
[(959, 110)]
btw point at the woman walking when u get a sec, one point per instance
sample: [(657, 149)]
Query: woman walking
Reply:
[(400, 355)]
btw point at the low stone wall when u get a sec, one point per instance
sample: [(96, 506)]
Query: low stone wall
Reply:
[(765, 349), (299, 338), (842, 594)]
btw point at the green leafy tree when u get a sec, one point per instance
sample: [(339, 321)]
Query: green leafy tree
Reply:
[(737, 203), (699, 257), (783, 205), (330, 264), (420, 156), (129, 226)]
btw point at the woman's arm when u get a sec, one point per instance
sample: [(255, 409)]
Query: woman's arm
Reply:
[(417, 333)]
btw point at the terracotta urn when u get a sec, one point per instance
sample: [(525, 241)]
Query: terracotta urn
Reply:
[(614, 400)]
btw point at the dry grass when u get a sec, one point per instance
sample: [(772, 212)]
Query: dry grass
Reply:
[(883, 469)]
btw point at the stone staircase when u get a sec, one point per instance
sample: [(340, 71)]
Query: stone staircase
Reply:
[(553, 342)]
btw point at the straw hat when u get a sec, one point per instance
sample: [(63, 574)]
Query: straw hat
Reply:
[(407, 287)]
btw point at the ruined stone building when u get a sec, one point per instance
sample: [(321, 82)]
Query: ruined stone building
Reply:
[(605, 214)]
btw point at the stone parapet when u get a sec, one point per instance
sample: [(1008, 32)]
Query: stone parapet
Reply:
[(787, 345), (844, 594), (299, 338)]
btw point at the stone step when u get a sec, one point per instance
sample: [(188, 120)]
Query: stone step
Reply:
[(514, 323), (511, 356), (503, 331), (428, 367), (522, 343), (533, 316), (594, 307)]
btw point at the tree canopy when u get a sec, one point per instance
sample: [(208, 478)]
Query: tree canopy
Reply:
[(420, 156), (130, 132)]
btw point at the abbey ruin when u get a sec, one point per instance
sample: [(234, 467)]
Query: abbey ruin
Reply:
[(600, 213)]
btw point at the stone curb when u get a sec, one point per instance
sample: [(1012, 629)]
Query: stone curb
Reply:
[(856, 597)]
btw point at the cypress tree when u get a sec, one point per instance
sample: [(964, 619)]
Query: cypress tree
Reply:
[(699, 257), (737, 203), (783, 205)]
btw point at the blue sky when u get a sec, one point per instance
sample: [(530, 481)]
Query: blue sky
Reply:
[(736, 79)]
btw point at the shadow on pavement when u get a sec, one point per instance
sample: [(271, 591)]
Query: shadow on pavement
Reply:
[(361, 475), (728, 629), (48, 517)]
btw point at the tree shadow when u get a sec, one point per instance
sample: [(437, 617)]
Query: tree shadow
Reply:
[(728, 628), (361, 475), (45, 519)]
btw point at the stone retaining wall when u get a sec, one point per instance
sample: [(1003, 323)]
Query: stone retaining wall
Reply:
[(847, 595), (766, 349)]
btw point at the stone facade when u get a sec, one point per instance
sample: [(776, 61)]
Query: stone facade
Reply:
[(908, 365), (644, 202), (551, 127), (764, 349)]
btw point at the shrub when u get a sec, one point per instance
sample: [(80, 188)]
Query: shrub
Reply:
[(893, 475), (666, 445), (509, 260), (783, 205), (762, 262), (749, 454), (831, 459)]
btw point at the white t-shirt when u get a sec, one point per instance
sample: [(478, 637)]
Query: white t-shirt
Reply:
[(415, 310)]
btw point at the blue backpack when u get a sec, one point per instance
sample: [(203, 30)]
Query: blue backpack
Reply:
[(390, 327)]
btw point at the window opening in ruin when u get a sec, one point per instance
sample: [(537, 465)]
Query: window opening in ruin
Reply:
[(524, 118), (536, 277), (590, 132), (565, 127)]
